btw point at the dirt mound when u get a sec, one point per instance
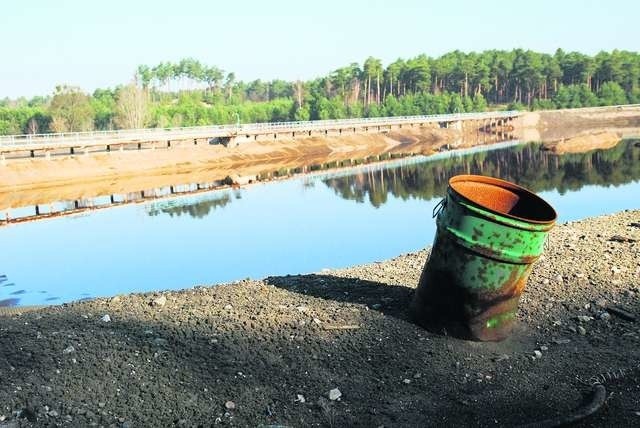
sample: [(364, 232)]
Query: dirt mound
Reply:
[(584, 143)]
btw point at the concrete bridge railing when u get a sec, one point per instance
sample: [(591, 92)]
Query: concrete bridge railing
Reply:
[(53, 140)]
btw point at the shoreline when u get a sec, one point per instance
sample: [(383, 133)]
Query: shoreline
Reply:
[(325, 169), (178, 357)]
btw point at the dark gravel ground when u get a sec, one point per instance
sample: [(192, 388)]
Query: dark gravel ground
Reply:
[(268, 353)]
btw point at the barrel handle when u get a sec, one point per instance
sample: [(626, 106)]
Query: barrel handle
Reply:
[(439, 207)]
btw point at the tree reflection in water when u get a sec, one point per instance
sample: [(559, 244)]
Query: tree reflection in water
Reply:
[(526, 165), (198, 209)]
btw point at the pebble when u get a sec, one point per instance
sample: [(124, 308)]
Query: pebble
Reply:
[(106, 318), (230, 405), (545, 281), (544, 348), (537, 354), (160, 301), (68, 350), (228, 307), (407, 381), (53, 413), (334, 394), (605, 316), (300, 398), (584, 318), (582, 330), (561, 341)]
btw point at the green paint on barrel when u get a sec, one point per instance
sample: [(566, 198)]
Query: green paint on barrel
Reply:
[(490, 232)]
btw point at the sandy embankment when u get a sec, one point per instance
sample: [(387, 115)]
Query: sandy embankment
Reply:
[(268, 352), (580, 130), (26, 182), (30, 181)]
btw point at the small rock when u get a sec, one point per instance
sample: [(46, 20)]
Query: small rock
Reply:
[(230, 405), (2, 418), (53, 413), (558, 278), (407, 381), (605, 316), (106, 318), (561, 341), (334, 394), (537, 354), (300, 398), (68, 418), (228, 307), (68, 350), (582, 330), (376, 306), (160, 301), (601, 303), (102, 404), (545, 281), (159, 341), (544, 348), (584, 318), (115, 299)]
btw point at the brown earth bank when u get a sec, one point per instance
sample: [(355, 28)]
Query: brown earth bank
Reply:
[(555, 125), (25, 182), (584, 143), (31, 181), (336, 349)]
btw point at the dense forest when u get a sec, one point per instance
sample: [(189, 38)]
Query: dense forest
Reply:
[(189, 93)]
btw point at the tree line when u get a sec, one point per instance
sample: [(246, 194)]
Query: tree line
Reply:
[(189, 93)]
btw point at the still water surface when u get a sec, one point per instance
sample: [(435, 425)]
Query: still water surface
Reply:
[(296, 226)]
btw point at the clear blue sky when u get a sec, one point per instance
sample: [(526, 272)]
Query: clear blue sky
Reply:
[(100, 44)]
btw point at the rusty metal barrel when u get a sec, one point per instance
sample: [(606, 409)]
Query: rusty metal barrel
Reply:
[(489, 234)]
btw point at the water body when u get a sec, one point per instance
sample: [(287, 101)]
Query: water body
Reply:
[(299, 225)]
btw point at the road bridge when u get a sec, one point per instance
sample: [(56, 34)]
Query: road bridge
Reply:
[(35, 145)]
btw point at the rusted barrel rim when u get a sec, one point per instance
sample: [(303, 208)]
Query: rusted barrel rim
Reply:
[(505, 185)]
